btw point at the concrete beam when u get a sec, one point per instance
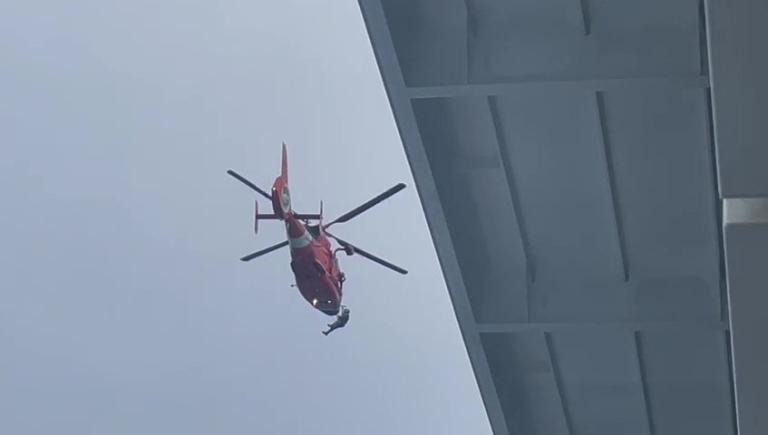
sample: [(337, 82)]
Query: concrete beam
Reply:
[(746, 251), (554, 362), (738, 64), (695, 82), (405, 119), (644, 383), (490, 328)]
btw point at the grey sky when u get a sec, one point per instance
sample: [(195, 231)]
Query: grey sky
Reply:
[(123, 308)]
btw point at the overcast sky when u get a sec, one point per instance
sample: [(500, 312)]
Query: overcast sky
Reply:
[(123, 306)]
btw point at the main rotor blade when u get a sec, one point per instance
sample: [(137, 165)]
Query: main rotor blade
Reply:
[(250, 257), (368, 255), (353, 213), (249, 184)]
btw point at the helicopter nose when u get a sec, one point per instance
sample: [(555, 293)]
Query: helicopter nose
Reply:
[(326, 306)]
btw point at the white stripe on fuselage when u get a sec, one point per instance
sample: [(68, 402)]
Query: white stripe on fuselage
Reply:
[(299, 242)]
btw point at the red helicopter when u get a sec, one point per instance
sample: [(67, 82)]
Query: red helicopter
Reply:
[(313, 261)]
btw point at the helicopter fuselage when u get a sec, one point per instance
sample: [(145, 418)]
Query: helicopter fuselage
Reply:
[(314, 265)]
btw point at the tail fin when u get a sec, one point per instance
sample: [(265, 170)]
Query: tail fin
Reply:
[(281, 195), (284, 171)]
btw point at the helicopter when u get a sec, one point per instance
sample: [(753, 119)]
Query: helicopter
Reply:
[(313, 259)]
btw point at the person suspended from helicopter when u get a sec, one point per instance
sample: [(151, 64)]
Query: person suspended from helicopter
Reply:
[(340, 322)]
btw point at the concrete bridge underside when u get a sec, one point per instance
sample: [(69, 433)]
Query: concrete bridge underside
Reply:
[(594, 176)]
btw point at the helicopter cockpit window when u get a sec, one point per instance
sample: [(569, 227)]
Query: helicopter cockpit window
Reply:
[(314, 230)]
